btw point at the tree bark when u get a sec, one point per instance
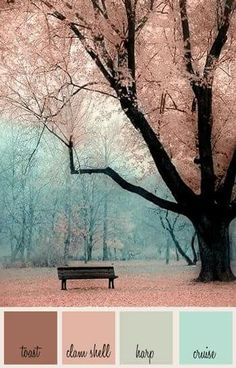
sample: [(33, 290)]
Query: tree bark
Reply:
[(214, 247)]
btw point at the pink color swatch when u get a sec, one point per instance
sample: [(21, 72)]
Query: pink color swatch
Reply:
[(88, 338)]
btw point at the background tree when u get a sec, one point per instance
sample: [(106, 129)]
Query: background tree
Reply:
[(170, 223)]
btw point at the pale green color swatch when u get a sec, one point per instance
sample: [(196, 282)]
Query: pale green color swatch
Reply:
[(150, 333), (205, 332)]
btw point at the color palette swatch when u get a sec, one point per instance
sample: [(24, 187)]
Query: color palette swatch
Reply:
[(30, 338), (119, 338), (88, 338), (146, 338), (206, 338)]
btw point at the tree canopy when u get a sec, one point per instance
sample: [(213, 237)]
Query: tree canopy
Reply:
[(170, 68)]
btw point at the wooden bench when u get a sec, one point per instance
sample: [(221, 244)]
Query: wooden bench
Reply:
[(75, 273)]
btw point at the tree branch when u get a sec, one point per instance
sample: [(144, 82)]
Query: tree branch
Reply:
[(203, 94), (168, 205), (180, 191), (130, 43), (219, 42), (99, 39), (225, 192), (174, 207), (34, 150), (232, 212), (97, 6), (163, 203), (107, 70), (102, 10), (186, 37), (145, 18), (202, 88)]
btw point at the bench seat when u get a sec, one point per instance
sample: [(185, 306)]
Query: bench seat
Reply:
[(76, 273)]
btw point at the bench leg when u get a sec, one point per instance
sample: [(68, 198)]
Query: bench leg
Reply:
[(111, 283), (63, 284)]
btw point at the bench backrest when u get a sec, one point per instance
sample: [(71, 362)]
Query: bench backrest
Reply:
[(85, 272)]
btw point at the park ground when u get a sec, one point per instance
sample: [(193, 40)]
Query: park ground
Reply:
[(140, 284)]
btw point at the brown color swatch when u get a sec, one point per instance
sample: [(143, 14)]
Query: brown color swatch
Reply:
[(30, 338)]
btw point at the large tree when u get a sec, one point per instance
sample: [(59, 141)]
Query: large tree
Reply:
[(161, 59)]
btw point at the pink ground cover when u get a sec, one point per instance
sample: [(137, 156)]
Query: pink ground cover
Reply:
[(140, 284)]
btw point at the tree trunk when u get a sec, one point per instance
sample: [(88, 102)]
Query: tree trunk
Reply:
[(66, 249), (29, 248), (213, 238), (167, 253), (177, 255), (29, 240), (68, 214), (90, 248), (22, 256), (105, 223), (85, 249), (89, 253)]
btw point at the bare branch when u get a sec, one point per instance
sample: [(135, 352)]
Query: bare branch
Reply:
[(35, 149)]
